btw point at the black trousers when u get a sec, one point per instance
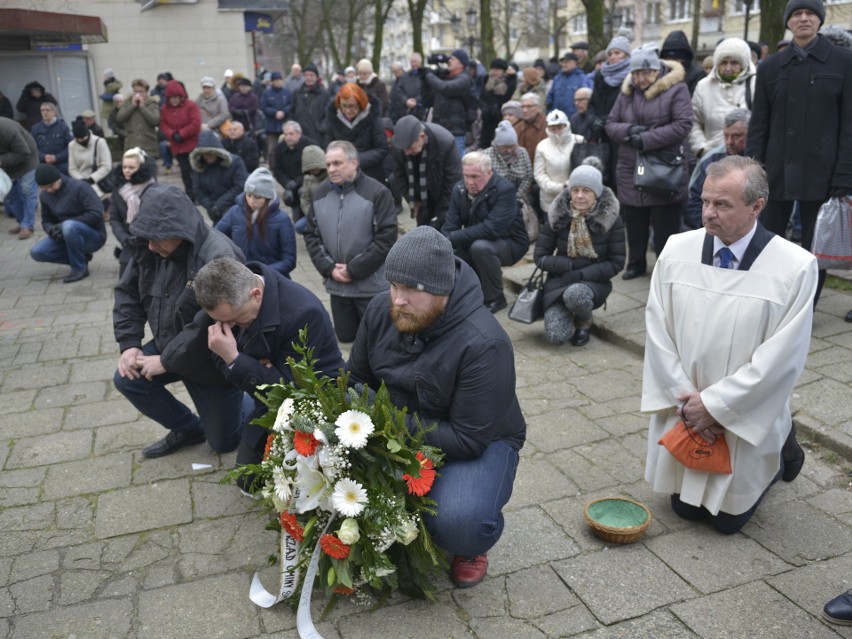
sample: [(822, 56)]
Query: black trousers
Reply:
[(775, 217), (346, 312), (665, 221), (185, 174)]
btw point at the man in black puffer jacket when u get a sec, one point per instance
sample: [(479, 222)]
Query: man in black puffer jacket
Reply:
[(156, 289), (217, 175), (451, 98), (448, 361)]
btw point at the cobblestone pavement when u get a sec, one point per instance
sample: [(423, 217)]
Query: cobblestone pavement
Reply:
[(97, 542)]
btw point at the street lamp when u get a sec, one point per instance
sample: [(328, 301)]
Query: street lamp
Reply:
[(471, 25), (747, 4)]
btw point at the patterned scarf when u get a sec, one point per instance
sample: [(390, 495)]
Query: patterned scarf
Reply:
[(130, 193), (579, 242), (421, 179)]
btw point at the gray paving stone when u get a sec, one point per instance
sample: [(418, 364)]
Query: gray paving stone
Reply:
[(583, 473), (657, 625), (753, 610), (17, 401), (559, 429), (175, 612), (100, 620), (418, 619), (798, 533), (36, 376), (27, 517), (619, 583), (712, 562), (627, 464), (143, 508), (94, 370), (609, 384), (83, 557), (217, 500), (86, 476), (538, 592), (32, 595), (76, 586), (496, 628), (132, 437), (71, 394), (31, 423), (7, 604), (176, 465), (74, 513), (827, 401), (50, 449), (34, 565), (488, 599), (538, 481), (530, 538), (105, 413)]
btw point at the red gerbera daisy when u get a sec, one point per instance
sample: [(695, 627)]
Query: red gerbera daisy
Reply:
[(421, 485), (269, 441), (333, 547), (343, 590), (291, 525), (305, 443)]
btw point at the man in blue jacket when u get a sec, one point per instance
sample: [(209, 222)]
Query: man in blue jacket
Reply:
[(561, 94), (52, 136), (275, 104), (446, 359)]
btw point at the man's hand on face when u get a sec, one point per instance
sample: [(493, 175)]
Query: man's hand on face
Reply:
[(221, 340)]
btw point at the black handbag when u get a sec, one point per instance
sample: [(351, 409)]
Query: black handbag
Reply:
[(659, 172), (105, 184), (529, 307)]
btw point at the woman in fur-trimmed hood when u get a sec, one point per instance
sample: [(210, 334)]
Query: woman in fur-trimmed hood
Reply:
[(217, 175), (581, 248), (653, 114)]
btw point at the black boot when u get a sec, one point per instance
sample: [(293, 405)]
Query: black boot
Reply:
[(173, 442), (793, 456)]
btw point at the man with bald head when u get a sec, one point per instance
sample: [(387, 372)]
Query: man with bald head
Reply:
[(238, 143)]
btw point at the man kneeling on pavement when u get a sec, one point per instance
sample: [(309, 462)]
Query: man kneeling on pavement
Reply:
[(443, 356)]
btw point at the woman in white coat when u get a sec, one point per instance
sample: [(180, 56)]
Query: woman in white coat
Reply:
[(728, 86), (552, 165)]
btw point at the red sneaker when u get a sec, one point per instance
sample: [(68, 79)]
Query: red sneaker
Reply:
[(466, 572)]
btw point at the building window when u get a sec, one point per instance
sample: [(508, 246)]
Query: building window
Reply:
[(652, 13), (578, 23), (678, 10), (738, 7)]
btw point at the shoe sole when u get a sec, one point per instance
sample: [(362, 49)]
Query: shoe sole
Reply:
[(839, 622)]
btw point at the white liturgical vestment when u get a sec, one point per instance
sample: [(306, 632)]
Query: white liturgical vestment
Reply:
[(741, 338)]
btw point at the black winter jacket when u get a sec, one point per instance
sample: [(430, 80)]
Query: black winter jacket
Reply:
[(18, 150), (801, 125), (309, 109), (75, 200), (452, 101), (607, 231), (366, 132), (216, 185), (459, 374), (408, 85), (491, 215), (118, 206), (159, 290)]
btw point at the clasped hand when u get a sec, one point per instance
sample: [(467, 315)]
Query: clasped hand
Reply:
[(134, 364), (697, 418)]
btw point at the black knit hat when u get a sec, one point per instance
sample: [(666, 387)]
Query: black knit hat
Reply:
[(47, 174), (79, 128), (422, 259), (816, 6)]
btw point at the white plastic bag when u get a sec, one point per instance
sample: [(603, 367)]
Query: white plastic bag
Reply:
[(832, 245)]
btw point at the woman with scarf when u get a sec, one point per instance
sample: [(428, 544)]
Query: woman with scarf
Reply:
[(552, 164), (510, 160), (259, 227), (355, 117), (137, 172), (580, 248), (606, 89)]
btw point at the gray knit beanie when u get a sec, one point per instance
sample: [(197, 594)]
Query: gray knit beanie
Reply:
[(816, 6), (646, 56), (505, 134), (422, 259), (620, 43), (261, 184), (588, 176)]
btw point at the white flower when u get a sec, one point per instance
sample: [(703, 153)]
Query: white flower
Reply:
[(349, 533), (353, 428), (283, 488), (282, 419), (406, 533), (311, 484), (349, 498), (384, 572)]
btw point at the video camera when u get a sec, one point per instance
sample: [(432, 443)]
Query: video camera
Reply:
[(438, 64)]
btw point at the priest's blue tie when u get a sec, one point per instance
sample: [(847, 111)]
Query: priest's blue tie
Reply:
[(726, 257)]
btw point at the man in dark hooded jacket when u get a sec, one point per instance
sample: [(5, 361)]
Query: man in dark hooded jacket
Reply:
[(218, 176), (445, 358), (31, 100), (676, 47), (156, 288)]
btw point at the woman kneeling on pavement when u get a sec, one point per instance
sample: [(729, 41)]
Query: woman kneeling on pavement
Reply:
[(580, 248)]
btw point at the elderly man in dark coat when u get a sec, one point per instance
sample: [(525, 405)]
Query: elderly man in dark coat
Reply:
[(425, 165), (800, 128)]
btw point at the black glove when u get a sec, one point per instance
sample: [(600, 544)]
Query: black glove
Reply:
[(177, 137), (90, 180), (291, 185), (371, 394), (635, 140), (840, 191), (636, 129), (55, 232), (554, 264), (597, 125), (214, 213), (288, 197)]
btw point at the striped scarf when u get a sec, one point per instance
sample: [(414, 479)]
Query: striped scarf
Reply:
[(421, 178), (579, 242)]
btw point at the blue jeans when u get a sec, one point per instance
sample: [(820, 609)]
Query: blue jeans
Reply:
[(460, 144), (21, 201), (471, 494), (166, 154), (78, 239), (221, 409)]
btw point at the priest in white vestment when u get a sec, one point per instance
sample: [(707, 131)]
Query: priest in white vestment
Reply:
[(728, 325)]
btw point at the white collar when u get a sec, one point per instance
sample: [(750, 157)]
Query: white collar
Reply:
[(738, 248)]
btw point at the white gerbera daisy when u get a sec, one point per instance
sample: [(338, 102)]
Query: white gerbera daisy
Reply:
[(353, 428), (282, 419), (283, 488), (349, 498)]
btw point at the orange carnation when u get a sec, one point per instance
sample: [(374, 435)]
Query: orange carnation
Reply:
[(423, 484), (333, 547), (305, 443), (269, 441), (291, 525), (344, 590)]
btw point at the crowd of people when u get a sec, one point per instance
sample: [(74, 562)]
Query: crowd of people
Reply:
[(487, 162)]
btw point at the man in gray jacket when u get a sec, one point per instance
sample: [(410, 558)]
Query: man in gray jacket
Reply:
[(156, 288), (350, 229)]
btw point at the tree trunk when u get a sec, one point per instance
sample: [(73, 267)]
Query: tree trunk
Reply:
[(416, 9), (696, 23), (486, 33), (595, 24), (381, 10), (771, 29)]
